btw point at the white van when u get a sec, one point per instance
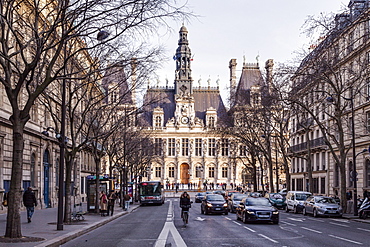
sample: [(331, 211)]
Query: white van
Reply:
[(295, 200)]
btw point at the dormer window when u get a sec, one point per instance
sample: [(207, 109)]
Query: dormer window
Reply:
[(211, 122), (158, 121)]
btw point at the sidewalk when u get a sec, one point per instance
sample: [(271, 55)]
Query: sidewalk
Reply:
[(43, 225)]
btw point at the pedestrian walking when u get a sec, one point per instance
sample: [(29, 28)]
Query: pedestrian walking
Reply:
[(127, 199), (111, 199), (103, 204), (30, 202)]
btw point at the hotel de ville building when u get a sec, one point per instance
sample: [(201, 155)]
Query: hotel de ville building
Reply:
[(183, 122)]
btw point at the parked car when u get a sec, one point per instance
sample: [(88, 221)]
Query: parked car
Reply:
[(295, 200), (322, 206), (255, 194), (283, 192), (252, 209), (276, 200), (213, 203), (234, 201), (200, 196), (229, 193)]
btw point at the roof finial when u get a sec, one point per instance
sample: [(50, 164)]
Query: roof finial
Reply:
[(258, 57)]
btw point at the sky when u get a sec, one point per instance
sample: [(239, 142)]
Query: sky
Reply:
[(241, 29)]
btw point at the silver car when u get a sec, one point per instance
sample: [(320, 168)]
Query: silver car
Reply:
[(322, 206)]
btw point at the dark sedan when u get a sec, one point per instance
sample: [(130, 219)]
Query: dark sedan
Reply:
[(234, 201), (214, 203), (200, 196), (257, 209)]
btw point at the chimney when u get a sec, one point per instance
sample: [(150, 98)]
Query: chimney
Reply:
[(133, 79), (232, 67), (269, 67)]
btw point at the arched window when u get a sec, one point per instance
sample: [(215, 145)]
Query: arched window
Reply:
[(158, 121)]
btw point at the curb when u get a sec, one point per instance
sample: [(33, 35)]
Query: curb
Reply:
[(55, 242)]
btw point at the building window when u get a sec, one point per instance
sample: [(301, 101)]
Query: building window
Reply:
[(322, 186), (211, 122), (368, 122), (158, 172), (242, 150), (158, 121), (315, 182), (33, 171), (211, 172), (171, 172), (198, 171), (171, 147), (336, 175), (185, 146), (300, 184), (225, 147), (323, 161), (212, 147), (367, 175), (198, 147), (224, 172), (158, 146)]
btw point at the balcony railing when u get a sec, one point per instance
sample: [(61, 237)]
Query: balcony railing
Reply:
[(314, 144)]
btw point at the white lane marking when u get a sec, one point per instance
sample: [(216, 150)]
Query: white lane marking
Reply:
[(169, 227), (249, 229), (296, 219), (341, 220), (199, 218), (309, 229), (316, 220), (362, 229), (338, 224), (290, 224), (345, 239), (237, 223), (274, 241), (228, 218)]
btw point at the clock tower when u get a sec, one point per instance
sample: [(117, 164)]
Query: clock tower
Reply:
[(184, 113)]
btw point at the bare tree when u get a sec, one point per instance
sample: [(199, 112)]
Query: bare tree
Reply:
[(35, 36)]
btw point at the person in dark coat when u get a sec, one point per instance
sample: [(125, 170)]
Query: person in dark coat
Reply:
[(30, 202), (185, 202), (111, 199)]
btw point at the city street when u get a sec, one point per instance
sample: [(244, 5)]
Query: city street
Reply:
[(155, 226)]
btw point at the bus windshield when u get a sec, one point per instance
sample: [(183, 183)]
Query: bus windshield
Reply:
[(150, 189)]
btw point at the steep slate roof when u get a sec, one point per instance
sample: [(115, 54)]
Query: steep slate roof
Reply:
[(205, 98), (251, 76)]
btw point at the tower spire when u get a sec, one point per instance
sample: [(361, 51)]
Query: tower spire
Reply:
[(183, 79)]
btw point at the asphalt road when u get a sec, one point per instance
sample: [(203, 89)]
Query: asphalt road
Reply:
[(148, 225)]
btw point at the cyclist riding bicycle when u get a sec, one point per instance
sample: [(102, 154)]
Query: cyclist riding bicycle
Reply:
[(185, 204)]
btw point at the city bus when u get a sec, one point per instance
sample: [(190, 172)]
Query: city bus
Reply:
[(151, 192)]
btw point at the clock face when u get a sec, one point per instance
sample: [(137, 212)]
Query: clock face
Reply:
[(184, 120)]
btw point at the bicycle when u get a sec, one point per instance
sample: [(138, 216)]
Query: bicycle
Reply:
[(185, 216)]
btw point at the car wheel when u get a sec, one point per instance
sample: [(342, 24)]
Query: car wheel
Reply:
[(226, 213), (275, 222), (244, 218), (315, 213), (295, 210), (304, 211), (287, 209)]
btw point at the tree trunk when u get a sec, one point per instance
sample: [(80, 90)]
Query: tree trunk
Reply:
[(13, 222), (67, 197)]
